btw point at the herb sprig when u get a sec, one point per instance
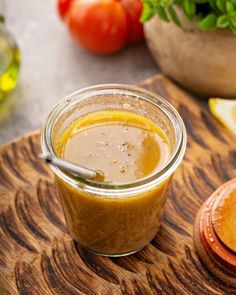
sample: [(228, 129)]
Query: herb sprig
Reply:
[(209, 14)]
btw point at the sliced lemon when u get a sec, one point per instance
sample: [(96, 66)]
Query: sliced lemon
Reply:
[(225, 111)]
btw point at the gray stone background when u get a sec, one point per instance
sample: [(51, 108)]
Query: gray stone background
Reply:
[(53, 66)]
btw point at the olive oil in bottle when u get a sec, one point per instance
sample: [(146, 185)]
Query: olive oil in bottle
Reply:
[(9, 59)]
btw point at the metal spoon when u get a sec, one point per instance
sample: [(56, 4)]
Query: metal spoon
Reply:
[(72, 168)]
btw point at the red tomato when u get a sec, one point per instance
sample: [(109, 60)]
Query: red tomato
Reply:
[(135, 28), (62, 7), (103, 26), (99, 26)]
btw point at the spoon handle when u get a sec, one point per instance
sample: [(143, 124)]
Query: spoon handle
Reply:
[(69, 167)]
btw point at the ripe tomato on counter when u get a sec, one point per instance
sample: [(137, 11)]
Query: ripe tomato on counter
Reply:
[(103, 26)]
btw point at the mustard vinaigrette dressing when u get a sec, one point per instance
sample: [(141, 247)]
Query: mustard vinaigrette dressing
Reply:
[(123, 145), (137, 140)]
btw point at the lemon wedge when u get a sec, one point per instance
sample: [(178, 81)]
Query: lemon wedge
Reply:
[(225, 111)]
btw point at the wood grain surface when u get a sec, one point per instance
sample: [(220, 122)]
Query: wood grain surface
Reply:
[(37, 256)]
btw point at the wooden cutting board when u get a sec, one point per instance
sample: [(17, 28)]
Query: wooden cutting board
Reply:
[(38, 257)]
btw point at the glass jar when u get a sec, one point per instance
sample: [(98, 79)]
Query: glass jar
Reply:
[(9, 58), (107, 218)]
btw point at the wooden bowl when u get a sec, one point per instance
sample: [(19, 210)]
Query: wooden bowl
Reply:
[(203, 62)]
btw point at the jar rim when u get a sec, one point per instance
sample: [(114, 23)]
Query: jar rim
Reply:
[(128, 188)]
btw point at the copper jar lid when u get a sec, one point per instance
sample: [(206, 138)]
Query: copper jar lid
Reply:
[(215, 233)]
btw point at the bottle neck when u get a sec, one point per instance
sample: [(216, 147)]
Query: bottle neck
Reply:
[(2, 20), (2, 12)]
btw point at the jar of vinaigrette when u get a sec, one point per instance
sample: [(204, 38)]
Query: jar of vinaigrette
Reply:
[(137, 139)]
